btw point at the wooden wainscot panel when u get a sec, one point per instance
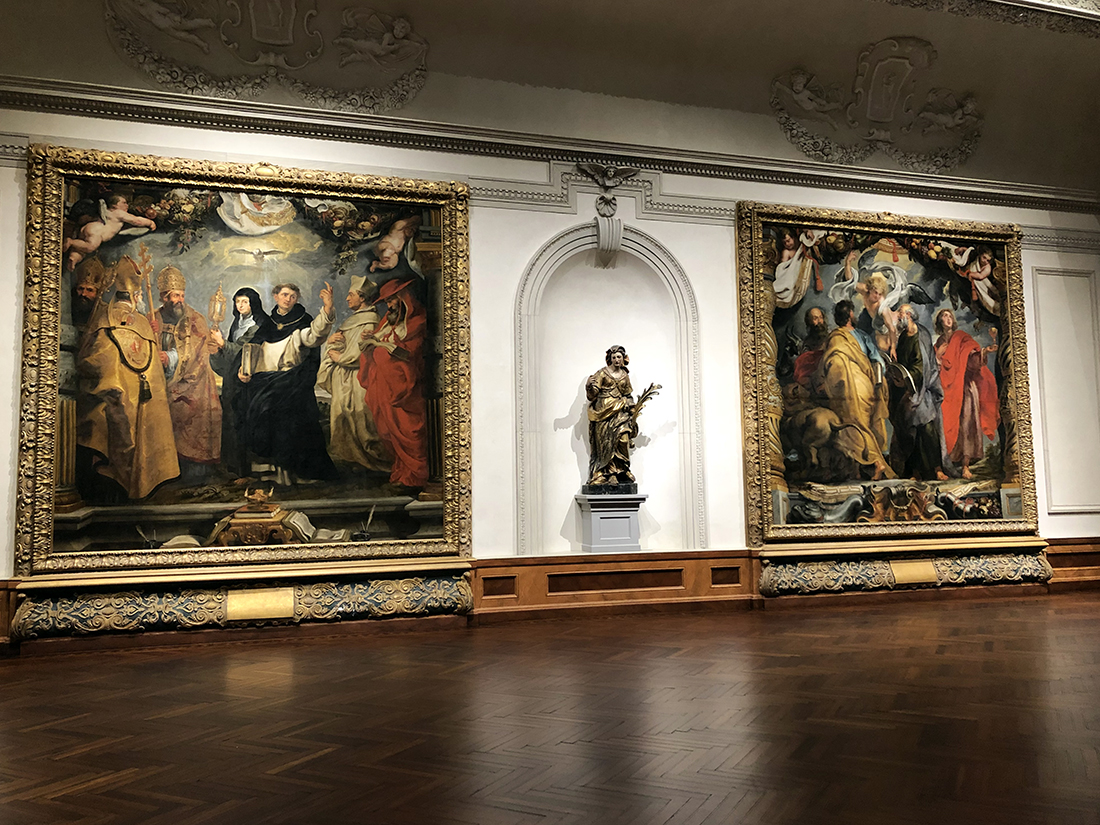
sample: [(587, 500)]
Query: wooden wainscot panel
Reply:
[(1076, 563), (7, 607), (514, 588)]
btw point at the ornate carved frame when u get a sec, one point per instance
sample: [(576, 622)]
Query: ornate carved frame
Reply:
[(762, 404), (47, 170)]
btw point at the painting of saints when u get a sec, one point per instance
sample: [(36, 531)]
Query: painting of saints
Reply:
[(877, 408)]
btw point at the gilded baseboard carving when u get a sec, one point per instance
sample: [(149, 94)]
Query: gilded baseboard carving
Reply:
[(809, 577), (119, 612), (1000, 569), (804, 578), (330, 601), (132, 611)]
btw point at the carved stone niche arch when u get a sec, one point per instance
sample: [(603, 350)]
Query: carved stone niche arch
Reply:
[(644, 255)]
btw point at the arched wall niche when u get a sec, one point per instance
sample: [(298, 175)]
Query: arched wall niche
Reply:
[(568, 311)]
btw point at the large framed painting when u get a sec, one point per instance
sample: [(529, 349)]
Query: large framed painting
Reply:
[(884, 371), (237, 364)]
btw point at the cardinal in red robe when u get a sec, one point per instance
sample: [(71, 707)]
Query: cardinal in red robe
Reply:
[(391, 370)]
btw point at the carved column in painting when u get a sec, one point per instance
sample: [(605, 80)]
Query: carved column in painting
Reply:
[(771, 395), (90, 278), (66, 496)]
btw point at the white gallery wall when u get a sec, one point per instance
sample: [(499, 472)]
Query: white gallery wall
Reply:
[(669, 297)]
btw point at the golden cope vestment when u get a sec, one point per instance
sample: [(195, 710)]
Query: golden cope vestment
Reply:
[(122, 408)]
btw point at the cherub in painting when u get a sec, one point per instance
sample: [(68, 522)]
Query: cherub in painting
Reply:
[(114, 213)]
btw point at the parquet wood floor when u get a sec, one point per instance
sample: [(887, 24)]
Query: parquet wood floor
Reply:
[(947, 712)]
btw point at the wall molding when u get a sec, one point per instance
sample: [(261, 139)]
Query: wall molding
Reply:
[(13, 150), (565, 185), (1053, 239), (1053, 507), (169, 108), (528, 297), (1080, 17)]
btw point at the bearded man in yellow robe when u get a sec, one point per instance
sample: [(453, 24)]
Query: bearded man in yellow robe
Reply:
[(852, 370)]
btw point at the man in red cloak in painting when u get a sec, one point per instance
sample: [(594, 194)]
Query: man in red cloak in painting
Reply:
[(391, 370), (969, 392)]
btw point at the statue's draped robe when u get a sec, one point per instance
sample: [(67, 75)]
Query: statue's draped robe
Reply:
[(353, 436), (192, 390), (122, 408), (611, 426)]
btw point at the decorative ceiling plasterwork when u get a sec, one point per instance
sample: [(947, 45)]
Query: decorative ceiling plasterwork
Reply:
[(353, 59), (1080, 17), (892, 108), (75, 99)]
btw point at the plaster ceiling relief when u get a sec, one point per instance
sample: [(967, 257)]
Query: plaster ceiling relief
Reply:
[(340, 57), (892, 107)]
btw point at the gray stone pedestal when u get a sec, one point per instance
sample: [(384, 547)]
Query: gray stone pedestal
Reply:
[(609, 523)]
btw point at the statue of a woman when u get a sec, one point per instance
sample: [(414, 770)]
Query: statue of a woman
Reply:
[(613, 419)]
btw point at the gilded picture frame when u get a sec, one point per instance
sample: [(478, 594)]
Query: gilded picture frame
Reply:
[(398, 247), (903, 413)]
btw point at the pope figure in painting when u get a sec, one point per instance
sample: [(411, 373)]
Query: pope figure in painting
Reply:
[(185, 345), (122, 408)]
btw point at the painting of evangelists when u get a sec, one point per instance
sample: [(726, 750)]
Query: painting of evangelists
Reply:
[(219, 338), (893, 349)]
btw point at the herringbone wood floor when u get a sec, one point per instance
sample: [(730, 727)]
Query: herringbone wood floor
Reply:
[(947, 712)]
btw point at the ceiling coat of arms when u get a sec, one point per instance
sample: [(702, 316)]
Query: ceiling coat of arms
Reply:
[(349, 58), (892, 107)]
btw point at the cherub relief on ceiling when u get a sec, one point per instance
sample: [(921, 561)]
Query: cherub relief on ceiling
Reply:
[(892, 108), (349, 58)]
